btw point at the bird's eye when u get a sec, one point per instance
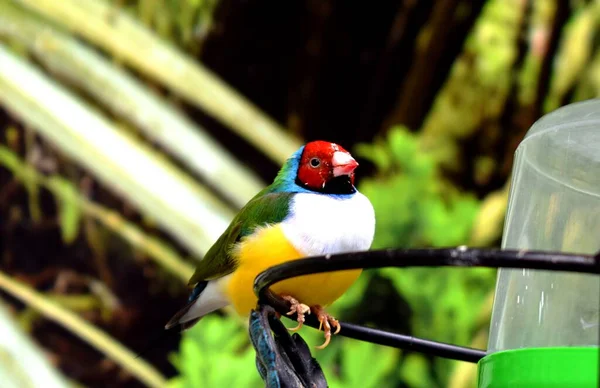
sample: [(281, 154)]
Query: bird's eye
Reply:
[(315, 162)]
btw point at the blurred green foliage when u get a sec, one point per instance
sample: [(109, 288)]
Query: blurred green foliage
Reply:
[(413, 206), (215, 353)]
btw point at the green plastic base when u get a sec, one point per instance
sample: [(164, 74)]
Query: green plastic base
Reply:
[(576, 367)]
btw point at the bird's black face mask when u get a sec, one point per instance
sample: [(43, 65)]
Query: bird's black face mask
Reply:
[(283, 361)]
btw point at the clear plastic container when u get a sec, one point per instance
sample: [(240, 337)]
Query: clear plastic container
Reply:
[(554, 204)]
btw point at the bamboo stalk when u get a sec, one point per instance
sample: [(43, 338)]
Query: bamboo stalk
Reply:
[(189, 212), (127, 97), (87, 332), (128, 40)]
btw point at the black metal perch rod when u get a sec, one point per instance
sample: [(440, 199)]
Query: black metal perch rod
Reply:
[(441, 257)]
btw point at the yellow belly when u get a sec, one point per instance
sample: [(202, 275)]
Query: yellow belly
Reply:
[(269, 247)]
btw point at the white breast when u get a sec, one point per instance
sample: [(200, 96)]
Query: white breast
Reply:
[(320, 224)]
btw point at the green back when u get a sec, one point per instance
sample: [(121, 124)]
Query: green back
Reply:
[(265, 208)]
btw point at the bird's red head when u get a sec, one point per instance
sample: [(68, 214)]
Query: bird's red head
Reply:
[(325, 164)]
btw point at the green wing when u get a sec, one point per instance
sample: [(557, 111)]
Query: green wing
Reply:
[(263, 209)]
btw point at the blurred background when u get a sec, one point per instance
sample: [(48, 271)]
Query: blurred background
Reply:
[(133, 130)]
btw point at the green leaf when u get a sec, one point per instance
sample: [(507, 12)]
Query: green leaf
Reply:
[(70, 213), (416, 373), (367, 365), (216, 353), (377, 155)]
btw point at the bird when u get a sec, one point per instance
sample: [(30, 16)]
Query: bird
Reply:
[(312, 208)]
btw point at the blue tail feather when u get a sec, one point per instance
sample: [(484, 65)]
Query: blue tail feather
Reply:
[(197, 290)]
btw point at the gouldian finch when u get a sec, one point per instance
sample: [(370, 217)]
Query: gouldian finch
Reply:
[(312, 208)]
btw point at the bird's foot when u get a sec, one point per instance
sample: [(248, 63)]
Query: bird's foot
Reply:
[(326, 322), (299, 308)]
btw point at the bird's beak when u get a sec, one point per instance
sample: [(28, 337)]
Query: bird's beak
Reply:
[(343, 163)]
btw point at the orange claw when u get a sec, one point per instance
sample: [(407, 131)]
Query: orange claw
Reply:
[(327, 339), (325, 323), (337, 324), (299, 308)]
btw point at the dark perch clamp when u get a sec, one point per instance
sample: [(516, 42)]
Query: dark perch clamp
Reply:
[(281, 347)]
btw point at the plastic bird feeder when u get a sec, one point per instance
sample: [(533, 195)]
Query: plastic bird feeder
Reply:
[(545, 324), (545, 328)]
